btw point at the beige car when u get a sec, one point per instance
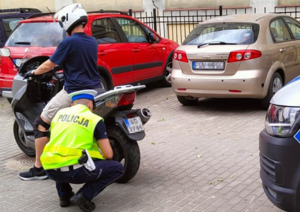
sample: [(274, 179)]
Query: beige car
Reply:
[(237, 56)]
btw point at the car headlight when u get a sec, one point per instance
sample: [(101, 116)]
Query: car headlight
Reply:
[(282, 121)]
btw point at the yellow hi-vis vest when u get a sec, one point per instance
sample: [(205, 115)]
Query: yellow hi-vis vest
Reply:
[(72, 130)]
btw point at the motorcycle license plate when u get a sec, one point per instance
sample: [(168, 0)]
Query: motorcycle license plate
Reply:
[(134, 125)]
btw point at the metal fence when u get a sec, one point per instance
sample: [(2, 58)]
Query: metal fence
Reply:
[(176, 25)]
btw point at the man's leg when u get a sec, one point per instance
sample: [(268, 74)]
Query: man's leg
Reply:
[(107, 172), (64, 189), (41, 133)]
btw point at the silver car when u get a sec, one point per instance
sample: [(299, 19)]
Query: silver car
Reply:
[(237, 56)]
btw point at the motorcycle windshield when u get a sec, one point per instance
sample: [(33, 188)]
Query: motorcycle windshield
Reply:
[(41, 34)]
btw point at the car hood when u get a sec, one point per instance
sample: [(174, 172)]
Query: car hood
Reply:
[(288, 95)]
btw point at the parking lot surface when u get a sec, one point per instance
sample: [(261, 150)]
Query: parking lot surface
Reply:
[(198, 158)]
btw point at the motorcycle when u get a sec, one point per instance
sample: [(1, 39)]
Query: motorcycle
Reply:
[(125, 125)]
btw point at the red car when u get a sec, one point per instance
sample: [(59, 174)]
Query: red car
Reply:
[(129, 52)]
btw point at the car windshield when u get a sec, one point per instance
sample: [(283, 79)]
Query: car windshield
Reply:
[(223, 33), (46, 34)]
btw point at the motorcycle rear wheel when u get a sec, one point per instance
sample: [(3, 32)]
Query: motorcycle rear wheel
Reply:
[(20, 139), (125, 151)]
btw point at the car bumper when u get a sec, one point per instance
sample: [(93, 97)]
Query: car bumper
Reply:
[(244, 84), (280, 173), (5, 83)]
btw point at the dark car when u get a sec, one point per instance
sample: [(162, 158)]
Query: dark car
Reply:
[(279, 146), (9, 19), (129, 52)]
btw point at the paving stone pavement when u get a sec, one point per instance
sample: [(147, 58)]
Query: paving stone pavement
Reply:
[(199, 158)]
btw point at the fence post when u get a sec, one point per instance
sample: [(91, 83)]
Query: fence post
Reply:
[(154, 20), (220, 10)]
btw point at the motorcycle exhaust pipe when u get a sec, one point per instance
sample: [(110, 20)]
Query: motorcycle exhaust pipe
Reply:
[(144, 114)]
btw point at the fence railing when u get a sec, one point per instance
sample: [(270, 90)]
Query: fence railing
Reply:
[(177, 24)]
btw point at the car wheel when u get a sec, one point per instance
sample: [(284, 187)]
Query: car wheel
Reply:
[(275, 84), (104, 84), (167, 74), (187, 100)]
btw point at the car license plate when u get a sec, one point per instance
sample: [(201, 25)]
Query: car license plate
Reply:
[(134, 125), (208, 65), (18, 62)]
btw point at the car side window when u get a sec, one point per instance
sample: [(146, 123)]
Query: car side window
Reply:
[(294, 27), (132, 30), (279, 31), (104, 31)]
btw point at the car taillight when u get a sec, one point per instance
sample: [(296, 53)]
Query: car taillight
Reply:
[(242, 55), (180, 56), (127, 99), (0, 63)]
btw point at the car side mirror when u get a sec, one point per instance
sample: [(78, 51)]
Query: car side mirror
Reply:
[(5, 52), (152, 37)]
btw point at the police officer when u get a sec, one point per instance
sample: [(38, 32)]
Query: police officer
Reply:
[(72, 155), (77, 55)]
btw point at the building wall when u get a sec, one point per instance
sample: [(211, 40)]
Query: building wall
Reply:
[(39, 4), (179, 4), (288, 2), (146, 5), (123, 5)]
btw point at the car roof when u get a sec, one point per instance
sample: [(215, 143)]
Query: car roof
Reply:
[(20, 12), (251, 17), (43, 17)]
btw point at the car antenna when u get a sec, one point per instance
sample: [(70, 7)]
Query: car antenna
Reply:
[(50, 12)]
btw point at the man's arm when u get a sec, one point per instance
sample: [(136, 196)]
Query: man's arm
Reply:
[(105, 148), (44, 67)]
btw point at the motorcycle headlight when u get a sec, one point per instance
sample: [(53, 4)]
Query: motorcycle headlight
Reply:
[(282, 120)]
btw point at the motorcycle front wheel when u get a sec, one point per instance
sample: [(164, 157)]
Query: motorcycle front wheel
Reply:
[(125, 151), (20, 139)]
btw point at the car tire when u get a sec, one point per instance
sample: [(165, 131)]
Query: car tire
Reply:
[(104, 84), (187, 100), (276, 83), (166, 82)]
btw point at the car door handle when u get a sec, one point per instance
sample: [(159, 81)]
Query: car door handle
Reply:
[(135, 50), (102, 53), (282, 50)]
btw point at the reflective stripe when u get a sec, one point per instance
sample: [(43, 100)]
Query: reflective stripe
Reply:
[(70, 152), (65, 150)]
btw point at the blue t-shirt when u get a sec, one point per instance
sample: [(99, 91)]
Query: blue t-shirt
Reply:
[(100, 131), (77, 55)]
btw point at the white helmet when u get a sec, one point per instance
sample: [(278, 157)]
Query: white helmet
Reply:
[(71, 16)]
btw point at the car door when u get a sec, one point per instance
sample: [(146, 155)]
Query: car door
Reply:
[(147, 57), (285, 48), (294, 28), (113, 53)]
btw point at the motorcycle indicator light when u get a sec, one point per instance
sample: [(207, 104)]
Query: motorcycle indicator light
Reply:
[(127, 99)]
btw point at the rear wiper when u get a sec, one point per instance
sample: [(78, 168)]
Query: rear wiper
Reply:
[(23, 43), (216, 43)]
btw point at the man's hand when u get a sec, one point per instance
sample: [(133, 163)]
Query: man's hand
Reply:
[(29, 74)]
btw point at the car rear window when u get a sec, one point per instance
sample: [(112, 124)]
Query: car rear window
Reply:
[(223, 33), (46, 34)]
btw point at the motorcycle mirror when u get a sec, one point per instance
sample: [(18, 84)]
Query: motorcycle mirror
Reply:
[(5, 52)]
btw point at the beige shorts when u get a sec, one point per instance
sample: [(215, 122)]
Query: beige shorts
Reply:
[(59, 101)]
